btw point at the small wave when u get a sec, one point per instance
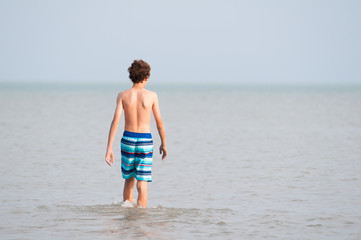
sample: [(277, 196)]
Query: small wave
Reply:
[(221, 223), (314, 225), (128, 204), (42, 208)]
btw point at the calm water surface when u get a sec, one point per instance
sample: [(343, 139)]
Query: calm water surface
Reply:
[(244, 163)]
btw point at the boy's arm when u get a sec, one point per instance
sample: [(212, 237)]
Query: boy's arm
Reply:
[(109, 157), (160, 127)]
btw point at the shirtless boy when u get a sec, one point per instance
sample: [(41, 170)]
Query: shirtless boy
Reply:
[(136, 143)]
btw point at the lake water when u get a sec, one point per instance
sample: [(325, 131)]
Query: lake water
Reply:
[(245, 162)]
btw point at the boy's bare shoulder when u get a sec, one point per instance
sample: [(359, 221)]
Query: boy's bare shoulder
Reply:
[(151, 93), (123, 93)]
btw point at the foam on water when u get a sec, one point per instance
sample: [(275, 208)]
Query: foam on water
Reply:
[(128, 204)]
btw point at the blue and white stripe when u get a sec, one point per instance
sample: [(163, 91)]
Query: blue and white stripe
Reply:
[(137, 155)]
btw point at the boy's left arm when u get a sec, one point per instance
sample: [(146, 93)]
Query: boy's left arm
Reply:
[(160, 127)]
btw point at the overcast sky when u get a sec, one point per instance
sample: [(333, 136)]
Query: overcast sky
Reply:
[(228, 41)]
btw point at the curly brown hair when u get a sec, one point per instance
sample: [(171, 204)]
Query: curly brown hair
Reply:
[(138, 71)]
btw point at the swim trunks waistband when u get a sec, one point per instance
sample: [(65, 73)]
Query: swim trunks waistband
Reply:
[(137, 135)]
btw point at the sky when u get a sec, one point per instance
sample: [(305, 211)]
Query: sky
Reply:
[(188, 41)]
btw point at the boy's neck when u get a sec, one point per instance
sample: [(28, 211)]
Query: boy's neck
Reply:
[(140, 85)]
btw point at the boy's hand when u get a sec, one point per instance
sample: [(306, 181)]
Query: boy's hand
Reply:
[(163, 150), (109, 157)]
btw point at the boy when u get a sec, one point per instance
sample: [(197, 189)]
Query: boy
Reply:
[(137, 143)]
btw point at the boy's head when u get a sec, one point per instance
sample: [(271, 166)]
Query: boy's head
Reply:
[(139, 71)]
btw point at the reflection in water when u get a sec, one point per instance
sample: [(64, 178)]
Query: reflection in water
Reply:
[(114, 221)]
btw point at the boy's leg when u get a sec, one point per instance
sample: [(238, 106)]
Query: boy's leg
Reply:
[(142, 193), (128, 189)]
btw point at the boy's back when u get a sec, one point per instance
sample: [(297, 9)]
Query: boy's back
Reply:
[(137, 104)]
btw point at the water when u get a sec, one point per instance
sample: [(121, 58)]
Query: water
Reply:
[(245, 162)]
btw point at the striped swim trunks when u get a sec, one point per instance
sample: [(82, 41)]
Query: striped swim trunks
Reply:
[(137, 155)]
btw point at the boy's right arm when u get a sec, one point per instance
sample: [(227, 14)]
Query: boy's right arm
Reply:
[(109, 156), (160, 127)]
